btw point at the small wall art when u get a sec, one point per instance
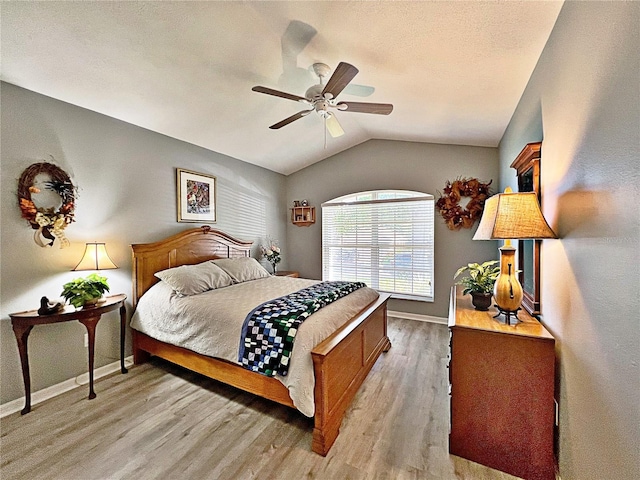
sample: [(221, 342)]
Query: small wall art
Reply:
[(196, 197)]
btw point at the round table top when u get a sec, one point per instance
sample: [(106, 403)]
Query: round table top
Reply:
[(111, 302)]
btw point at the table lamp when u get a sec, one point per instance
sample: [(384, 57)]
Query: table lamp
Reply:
[(95, 258), (508, 216)]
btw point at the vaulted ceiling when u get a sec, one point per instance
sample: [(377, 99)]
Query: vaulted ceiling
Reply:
[(454, 71)]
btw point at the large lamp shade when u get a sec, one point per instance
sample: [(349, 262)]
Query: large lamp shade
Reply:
[(95, 258), (513, 215)]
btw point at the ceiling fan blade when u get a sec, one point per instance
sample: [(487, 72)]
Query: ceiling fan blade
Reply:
[(278, 93), (359, 90), (294, 40), (343, 74), (290, 119), (363, 107), (333, 126)]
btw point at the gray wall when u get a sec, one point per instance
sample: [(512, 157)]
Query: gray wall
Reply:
[(126, 180), (127, 194), (382, 164), (583, 102)]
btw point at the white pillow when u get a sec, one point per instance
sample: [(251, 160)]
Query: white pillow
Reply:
[(189, 280), (242, 269)]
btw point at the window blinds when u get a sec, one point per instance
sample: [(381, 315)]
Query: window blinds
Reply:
[(384, 241)]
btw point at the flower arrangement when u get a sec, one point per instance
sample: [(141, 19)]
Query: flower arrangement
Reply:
[(455, 215), (271, 252)]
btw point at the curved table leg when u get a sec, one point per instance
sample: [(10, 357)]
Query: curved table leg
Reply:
[(22, 335), (91, 323)]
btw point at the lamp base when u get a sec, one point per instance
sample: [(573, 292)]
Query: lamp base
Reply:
[(508, 314), (507, 290)]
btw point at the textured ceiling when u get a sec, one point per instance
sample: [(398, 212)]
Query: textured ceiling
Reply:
[(454, 71)]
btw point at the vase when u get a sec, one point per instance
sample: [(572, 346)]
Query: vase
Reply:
[(273, 265), (94, 302), (482, 301)]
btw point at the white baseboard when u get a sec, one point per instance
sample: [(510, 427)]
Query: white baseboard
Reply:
[(55, 390), (419, 317)]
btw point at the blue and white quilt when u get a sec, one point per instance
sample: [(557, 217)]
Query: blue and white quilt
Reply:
[(269, 330)]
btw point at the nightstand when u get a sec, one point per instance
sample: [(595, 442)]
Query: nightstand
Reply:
[(287, 273), (23, 323)]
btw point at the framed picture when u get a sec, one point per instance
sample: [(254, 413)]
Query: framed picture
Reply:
[(196, 197)]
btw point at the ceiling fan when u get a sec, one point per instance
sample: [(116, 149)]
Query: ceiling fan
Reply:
[(322, 98)]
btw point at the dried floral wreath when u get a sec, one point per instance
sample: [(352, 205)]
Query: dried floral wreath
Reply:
[(456, 216), (48, 222)]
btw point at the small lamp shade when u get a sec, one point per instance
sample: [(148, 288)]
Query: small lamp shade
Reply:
[(95, 258), (509, 216), (513, 216)]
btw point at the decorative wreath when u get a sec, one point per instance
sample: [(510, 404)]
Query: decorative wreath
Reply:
[(48, 222), (456, 216)]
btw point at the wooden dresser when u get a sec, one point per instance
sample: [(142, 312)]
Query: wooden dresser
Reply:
[(501, 382)]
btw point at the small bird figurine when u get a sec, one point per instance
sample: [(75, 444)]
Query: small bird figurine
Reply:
[(47, 308)]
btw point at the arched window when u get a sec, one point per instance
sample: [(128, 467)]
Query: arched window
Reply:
[(383, 238)]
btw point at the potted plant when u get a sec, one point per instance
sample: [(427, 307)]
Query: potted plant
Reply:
[(479, 282), (84, 292)]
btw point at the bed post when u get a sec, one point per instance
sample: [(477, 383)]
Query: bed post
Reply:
[(341, 364), (139, 356)]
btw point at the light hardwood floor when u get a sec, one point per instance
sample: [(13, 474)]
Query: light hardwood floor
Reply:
[(161, 422)]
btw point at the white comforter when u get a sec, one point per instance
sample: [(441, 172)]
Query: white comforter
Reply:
[(210, 324)]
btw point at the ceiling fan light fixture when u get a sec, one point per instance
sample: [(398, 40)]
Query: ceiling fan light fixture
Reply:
[(321, 107), (333, 126)]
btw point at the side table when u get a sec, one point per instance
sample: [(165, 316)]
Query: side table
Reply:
[(23, 323), (287, 273)]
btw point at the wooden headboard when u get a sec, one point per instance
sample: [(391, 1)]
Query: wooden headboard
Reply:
[(186, 248)]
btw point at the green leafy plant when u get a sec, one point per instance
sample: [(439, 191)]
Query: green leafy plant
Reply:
[(481, 277), (82, 290)]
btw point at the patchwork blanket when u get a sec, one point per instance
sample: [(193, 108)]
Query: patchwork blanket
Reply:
[(269, 330)]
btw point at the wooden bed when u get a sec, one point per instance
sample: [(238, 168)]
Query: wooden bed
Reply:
[(341, 362)]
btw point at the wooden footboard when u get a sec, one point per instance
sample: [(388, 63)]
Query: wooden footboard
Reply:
[(341, 363)]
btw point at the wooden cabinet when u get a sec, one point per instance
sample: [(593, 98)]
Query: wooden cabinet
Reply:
[(501, 382), (303, 216)]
